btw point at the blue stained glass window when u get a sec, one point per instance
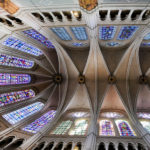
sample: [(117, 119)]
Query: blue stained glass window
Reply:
[(79, 44), (79, 33), (126, 32), (61, 33), (39, 123), (113, 44), (124, 128), (145, 44), (107, 32), (9, 79), (12, 97), (18, 115), (7, 60), (39, 37), (147, 37), (22, 46)]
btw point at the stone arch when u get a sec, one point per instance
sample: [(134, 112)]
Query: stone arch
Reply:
[(130, 146), (15, 144), (6, 141), (49, 146), (69, 146), (40, 146), (101, 146), (141, 146), (59, 146), (111, 146), (121, 146)]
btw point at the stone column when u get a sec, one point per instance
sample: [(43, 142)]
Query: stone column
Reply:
[(90, 143)]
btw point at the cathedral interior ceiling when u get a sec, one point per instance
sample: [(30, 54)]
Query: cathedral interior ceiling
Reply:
[(83, 61)]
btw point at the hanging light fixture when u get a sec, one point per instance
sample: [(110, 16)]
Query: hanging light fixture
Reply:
[(88, 4)]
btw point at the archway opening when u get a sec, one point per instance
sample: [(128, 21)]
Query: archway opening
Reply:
[(121, 147), (40, 146), (141, 147), (130, 147), (50, 146), (68, 147), (111, 146), (59, 146), (6, 141), (101, 146), (15, 145)]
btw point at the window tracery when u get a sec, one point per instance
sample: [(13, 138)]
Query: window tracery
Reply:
[(22, 46), (10, 79), (7, 60), (79, 44), (111, 115), (32, 33), (20, 114), (39, 123), (13, 97), (112, 44)]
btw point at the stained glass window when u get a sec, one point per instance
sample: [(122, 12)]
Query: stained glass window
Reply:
[(18, 115), (22, 46), (113, 44), (80, 127), (39, 123), (39, 37), (143, 115), (63, 127), (145, 44), (111, 115), (7, 60), (126, 32), (107, 32), (146, 125), (61, 33), (124, 128), (79, 33), (106, 128), (9, 79), (12, 97), (79, 44), (147, 37)]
